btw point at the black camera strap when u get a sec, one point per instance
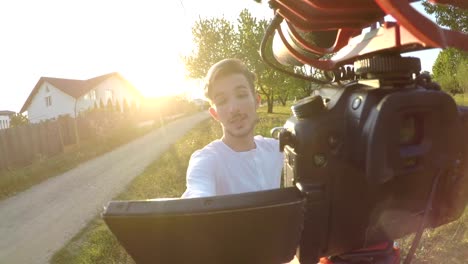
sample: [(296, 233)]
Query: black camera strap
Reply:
[(421, 227)]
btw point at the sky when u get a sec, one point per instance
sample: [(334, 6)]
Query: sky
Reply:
[(143, 40)]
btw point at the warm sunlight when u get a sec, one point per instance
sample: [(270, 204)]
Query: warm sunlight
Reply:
[(163, 78), (157, 67), (142, 40)]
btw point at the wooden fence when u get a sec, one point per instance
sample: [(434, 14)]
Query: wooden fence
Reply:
[(20, 146)]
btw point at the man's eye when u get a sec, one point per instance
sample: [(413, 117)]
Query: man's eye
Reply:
[(242, 95)]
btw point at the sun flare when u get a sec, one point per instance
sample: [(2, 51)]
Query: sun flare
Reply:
[(162, 71)]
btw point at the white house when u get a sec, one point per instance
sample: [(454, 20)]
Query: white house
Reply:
[(5, 117), (52, 97)]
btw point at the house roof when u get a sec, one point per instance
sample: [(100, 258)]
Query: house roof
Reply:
[(6, 113), (74, 88)]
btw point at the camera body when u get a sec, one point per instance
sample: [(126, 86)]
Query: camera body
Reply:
[(366, 155), (379, 151)]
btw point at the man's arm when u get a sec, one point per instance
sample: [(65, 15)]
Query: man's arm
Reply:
[(201, 180)]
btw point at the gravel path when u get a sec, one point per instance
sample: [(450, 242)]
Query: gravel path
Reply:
[(37, 222)]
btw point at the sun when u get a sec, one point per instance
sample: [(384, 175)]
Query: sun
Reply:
[(160, 79), (159, 70)]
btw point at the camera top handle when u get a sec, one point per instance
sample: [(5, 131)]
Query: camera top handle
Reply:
[(312, 29)]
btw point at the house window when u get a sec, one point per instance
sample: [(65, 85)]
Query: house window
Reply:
[(92, 94), (47, 89), (48, 101), (109, 95)]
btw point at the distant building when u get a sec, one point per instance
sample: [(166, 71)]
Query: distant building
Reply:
[(53, 97), (5, 118)]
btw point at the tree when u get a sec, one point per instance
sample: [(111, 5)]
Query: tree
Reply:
[(251, 33), (272, 85), (133, 107), (462, 75), (18, 120), (118, 109), (449, 69), (125, 106), (448, 16), (109, 105), (215, 39), (301, 88), (450, 66)]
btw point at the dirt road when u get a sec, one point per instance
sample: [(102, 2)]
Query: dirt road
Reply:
[(37, 222)]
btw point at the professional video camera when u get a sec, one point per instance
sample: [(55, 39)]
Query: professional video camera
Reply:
[(377, 153), (380, 151)]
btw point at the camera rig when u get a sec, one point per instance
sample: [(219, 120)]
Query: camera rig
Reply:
[(379, 150)]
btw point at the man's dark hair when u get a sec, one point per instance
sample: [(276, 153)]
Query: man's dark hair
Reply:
[(224, 68)]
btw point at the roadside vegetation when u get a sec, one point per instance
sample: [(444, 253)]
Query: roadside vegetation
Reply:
[(165, 178), (15, 180), (19, 178), (461, 99), (446, 244)]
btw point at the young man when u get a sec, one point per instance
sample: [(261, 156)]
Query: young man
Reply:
[(239, 161)]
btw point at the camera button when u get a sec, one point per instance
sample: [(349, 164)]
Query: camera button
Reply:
[(356, 103)]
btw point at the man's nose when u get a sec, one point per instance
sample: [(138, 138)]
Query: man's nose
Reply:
[(233, 106)]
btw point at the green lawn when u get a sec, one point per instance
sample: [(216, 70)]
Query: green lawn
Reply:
[(166, 178), (461, 99)]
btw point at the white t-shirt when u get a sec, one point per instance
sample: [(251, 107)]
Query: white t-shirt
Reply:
[(218, 170)]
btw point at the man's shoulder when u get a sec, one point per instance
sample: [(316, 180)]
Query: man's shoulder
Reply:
[(211, 150), (269, 144)]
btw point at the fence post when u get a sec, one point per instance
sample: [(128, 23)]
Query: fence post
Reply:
[(59, 123), (3, 151)]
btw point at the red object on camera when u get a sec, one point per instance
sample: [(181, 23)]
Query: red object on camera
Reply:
[(412, 31), (389, 257)]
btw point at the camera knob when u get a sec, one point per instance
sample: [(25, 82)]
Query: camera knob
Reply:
[(284, 136), (308, 107)]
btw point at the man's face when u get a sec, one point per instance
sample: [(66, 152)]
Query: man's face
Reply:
[(234, 105)]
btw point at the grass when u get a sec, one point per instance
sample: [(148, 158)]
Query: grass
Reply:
[(445, 244), (96, 244), (461, 99)]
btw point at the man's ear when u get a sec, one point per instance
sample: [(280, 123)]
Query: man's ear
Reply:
[(213, 113)]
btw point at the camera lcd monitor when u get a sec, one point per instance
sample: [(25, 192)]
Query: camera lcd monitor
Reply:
[(256, 227)]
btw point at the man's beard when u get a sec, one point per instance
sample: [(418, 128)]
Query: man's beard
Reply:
[(240, 134)]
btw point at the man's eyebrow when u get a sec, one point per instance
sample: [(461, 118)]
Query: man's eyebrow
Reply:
[(241, 86)]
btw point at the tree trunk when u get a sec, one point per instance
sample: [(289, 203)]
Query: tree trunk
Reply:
[(270, 105), (283, 100)]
